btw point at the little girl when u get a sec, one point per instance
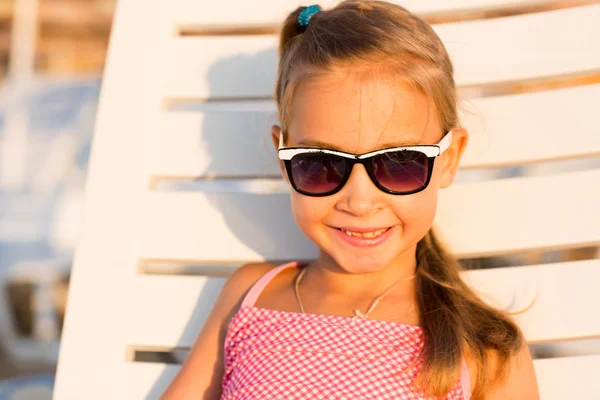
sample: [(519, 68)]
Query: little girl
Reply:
[(369, 134)]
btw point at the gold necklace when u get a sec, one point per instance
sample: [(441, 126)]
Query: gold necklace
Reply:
[(358, 313)]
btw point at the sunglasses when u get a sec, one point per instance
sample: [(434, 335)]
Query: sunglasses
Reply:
[(397, 170)]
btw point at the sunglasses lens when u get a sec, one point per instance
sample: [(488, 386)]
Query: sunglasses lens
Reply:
[(402, 171), (317, 173)]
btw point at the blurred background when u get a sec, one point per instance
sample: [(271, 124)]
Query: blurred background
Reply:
[(52, 54)]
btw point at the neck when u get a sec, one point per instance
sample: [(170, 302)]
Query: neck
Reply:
[(329, 277)]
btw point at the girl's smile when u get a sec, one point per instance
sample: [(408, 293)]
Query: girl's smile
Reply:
[(368, 237)]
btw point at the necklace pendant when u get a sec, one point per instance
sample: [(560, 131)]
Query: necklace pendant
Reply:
[(359, 314)]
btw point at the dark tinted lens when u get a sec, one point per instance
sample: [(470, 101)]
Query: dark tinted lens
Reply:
[(317, 172), (401, 171)]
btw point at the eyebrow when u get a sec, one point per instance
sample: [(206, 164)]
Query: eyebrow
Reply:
[(319, 144)]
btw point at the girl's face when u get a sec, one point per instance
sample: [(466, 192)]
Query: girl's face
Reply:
[(357, 113)]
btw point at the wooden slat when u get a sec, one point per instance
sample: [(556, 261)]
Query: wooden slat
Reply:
[(489, 51), (476, 219), (190, 144), (151, 380), (551, 318), (513, 215), (558, 379), (264, 12), (221, 227), (169, 311), (530, 128), (185, 302), (209, 143), (568, 378)]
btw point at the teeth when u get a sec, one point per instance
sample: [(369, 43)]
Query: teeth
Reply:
[(366, 235)]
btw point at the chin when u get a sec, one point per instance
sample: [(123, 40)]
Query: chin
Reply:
[(360, 265)]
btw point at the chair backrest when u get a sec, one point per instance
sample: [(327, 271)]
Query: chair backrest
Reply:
[(187, 96)]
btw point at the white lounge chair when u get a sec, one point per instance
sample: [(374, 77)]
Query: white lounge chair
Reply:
[(187, 95)]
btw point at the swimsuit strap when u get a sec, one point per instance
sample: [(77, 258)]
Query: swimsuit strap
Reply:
[(465, 380), (258, 287)]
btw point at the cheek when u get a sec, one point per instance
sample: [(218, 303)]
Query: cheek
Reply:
[(309, 210), (417, 211)]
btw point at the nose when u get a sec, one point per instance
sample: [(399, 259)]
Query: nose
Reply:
[(359, 196)]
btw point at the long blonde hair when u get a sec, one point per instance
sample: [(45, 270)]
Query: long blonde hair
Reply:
[(384, 36)]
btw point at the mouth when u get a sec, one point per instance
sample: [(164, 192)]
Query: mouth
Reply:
[(364, 237), (364, 233)]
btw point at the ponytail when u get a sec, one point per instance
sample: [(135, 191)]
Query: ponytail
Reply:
[(456, 322), (290, 29)]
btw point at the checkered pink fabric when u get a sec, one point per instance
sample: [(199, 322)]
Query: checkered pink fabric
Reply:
[(272, 354)]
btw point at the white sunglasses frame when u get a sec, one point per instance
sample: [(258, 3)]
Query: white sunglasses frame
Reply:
[(430, 151)]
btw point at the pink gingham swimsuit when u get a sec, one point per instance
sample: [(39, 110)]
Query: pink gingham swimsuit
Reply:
[(272, 354)]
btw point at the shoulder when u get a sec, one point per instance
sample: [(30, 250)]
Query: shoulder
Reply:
[(244, 277), (519, 380), (516, 381), (241, 280), (239, 283)]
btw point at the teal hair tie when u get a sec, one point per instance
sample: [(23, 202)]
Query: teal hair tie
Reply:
[(307, 14)]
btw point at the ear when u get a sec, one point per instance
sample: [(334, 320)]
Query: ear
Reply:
[(275, 132), (451, 157)]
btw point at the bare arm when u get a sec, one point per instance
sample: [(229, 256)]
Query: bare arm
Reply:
[(521, 382), (201, 375)]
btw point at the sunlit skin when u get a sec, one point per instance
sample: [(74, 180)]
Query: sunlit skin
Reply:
[(358, 112)]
